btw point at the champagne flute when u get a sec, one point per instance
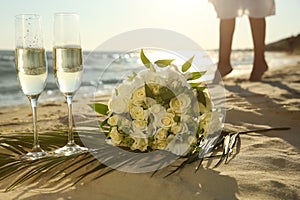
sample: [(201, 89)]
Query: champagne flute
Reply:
[(68, 68), (31, 68)]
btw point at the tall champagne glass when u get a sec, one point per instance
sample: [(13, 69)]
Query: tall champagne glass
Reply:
[(31, 68), (68, 68)]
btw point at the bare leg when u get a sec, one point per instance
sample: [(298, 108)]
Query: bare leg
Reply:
[(260, 66), (226, 34)]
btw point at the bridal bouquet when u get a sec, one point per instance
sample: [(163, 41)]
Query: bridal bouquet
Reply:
[(162, 107)]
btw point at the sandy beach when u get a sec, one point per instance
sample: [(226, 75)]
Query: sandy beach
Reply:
[(267, 167)]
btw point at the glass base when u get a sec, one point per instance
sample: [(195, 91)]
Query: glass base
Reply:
[(34, 155), (70, 149)]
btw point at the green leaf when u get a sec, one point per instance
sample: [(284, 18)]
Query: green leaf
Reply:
[(117, 92), (166, 94), (145, 60), (134, 74), (148, 91), (164, 63), (195, 75), (99, 108), (194, 85), (186, 66), (201, 97), (104, 123), (152, 68), (201, 88), (176, 119)]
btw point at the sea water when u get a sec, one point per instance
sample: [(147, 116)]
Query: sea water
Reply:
[(103, 70)]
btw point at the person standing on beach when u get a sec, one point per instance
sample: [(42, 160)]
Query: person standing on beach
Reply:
[(257, 10)]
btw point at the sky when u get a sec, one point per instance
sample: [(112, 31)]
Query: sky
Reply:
[(103, 19)]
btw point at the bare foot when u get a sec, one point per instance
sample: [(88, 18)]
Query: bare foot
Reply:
[(258, 71), (221, 72), (224, 69)]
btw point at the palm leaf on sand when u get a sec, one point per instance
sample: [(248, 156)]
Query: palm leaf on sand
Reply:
[(61, 172)]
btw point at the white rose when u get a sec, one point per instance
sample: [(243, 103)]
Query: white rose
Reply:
[(160, 144), (155, 88), (161, 134), (118, 105), (136, 102), (164, 120), (179, 128), (139, 125), (152, 77), (115, 136), (185, 101), (180, 104), (137, 113), (113, 120), (150, 102), (139, 94), (156, 109), (140, 144), (175, 79), (175, 105)]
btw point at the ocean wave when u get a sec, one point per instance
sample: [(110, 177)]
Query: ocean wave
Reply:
[(7, 56)]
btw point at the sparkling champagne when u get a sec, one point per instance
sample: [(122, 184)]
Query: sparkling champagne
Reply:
[(31, 69), (67, 68)]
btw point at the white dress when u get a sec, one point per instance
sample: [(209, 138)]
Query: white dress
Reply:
[(228, 9)]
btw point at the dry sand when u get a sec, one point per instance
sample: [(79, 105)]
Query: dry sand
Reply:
[(267, 167)]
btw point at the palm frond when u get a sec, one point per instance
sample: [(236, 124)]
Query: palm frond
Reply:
[(56, 171), (227, 141)]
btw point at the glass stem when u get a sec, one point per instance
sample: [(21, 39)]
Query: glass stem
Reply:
[(33, 102), (70, 133)]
